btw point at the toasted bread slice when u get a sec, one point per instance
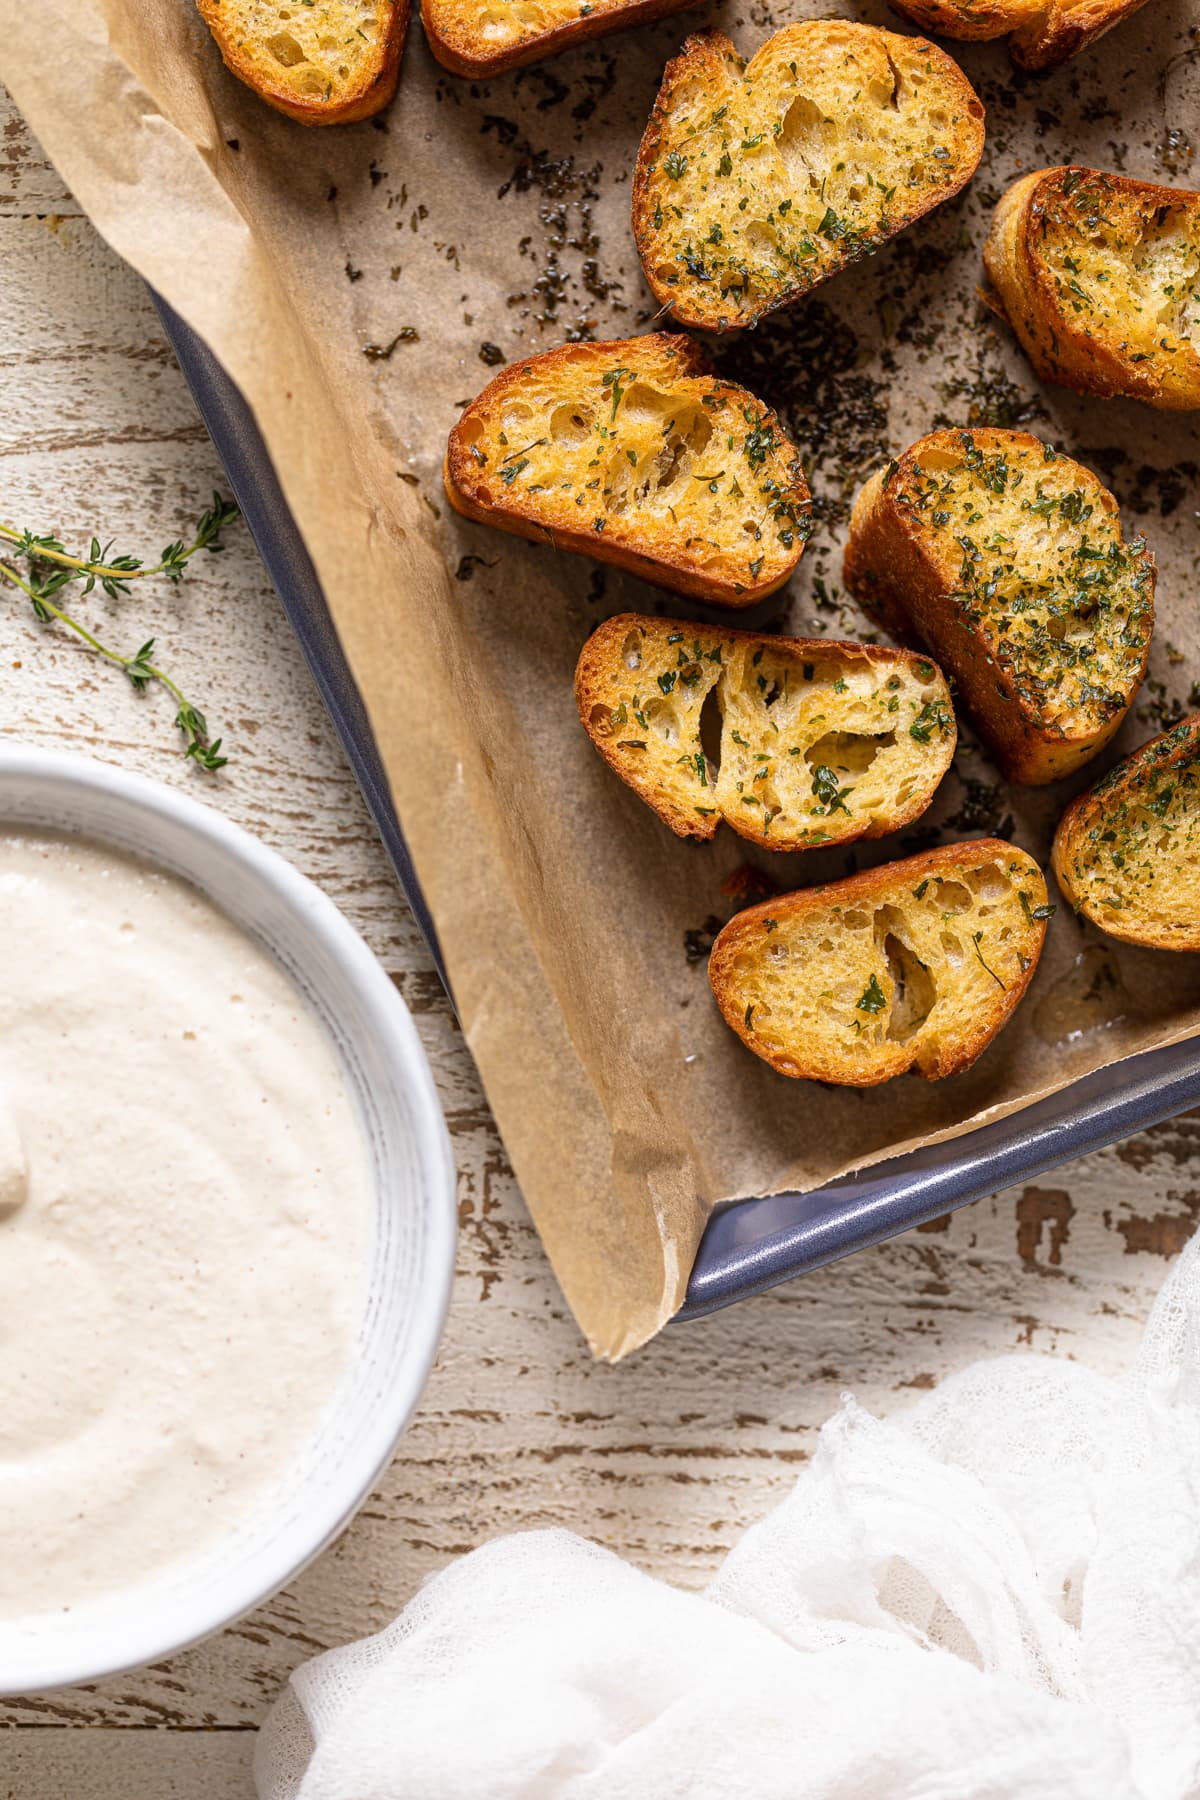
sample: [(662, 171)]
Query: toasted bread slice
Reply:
[(755, 181), (1099, 277), (1127, 852), (636, 453), (914, 965), (324, 62), (1005, 560), (485, 37), (793, 741), (1040, 33)]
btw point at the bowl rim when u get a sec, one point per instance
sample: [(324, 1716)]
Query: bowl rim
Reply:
[(278, 1563)]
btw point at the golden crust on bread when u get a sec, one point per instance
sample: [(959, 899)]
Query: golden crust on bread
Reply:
[(794, 742), (1040, 33), (1127, 851), (1006, 561), (481, 37), (755, 181), (326, 62), (1099, 277), (913, 965), (636, 453)]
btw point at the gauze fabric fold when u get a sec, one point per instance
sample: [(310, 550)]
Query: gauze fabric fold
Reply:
[(994, 1596)]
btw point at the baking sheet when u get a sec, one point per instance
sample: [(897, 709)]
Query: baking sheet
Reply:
[(355, 283), (755, 1242)]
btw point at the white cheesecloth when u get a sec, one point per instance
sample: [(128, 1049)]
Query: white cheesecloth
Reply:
[(994, 1596)]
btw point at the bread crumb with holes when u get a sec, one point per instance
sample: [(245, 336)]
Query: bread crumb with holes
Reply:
[(636, 453), (794, 742), (1099, 277), (755, 181), (323, 62), (1127, 852), (913, 965), (1006, 560), (485, 37)]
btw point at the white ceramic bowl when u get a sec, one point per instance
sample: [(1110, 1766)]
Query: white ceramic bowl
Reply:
[(413, 1224)]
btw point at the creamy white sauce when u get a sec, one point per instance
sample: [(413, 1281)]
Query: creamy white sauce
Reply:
[(184, 1213)]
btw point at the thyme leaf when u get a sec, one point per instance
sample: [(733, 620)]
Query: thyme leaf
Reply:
[(977, 939), (50, 568)]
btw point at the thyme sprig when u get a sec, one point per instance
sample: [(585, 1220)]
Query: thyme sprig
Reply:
[(51, 568)]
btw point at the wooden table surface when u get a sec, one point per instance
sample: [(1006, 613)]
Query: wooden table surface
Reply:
[(665, 1458)]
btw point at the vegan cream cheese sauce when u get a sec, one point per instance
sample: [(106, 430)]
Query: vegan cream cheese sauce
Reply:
[(184, 1205)]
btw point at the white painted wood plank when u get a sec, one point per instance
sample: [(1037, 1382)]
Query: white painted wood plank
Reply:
[(58, 1764), (28, 183)]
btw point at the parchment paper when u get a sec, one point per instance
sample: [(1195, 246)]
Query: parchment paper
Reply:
[(360, 283)]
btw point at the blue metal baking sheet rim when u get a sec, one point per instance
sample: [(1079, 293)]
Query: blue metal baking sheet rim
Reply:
[(755, 1243)]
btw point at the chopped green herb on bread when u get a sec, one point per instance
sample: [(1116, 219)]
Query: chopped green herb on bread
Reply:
[(1099, 277), (1127, 852), (323, 62), (755, 181), (636, 453), (794, 742), (485, 37), (1005, 559), (1041, 33), (914, 965)]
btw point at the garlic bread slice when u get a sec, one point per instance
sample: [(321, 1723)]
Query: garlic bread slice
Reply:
[(1127, 852), (1006, 561), (636, 453), (1099, 277), (1041, 33), (755, 181), (323, 62), (485, 37), (914, 965), (794, 742)]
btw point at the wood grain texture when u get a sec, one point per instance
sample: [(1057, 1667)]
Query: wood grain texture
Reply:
[(666, 1458)]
